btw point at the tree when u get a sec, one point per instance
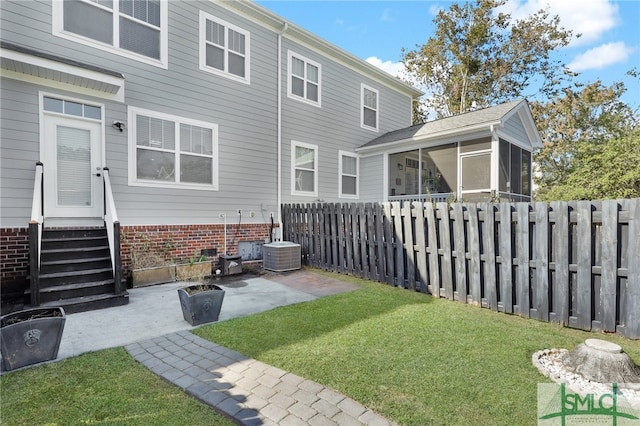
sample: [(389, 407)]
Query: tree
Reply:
[(577, 129), (609, 172), (480, 55)]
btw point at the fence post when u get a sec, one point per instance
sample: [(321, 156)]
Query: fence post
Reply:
[(506, 258), (541, 283), (399, 243), (522, 253), (609, 265), (473, 236), (585, 239), (459, 252), (422, 250), (445, 243), (489, 245), (630, 323), (560, 241)]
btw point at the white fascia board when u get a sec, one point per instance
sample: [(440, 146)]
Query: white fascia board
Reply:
[(448, 134), (22, 66)]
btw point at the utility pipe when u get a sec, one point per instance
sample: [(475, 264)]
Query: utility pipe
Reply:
[(279, 99)]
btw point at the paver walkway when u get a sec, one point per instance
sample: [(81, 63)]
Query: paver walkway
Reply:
[(249, 391)]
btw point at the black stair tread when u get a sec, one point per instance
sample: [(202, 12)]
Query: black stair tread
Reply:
[(84, 238), (74, 286), (68, 261), (75, 273), (81, 304), (73, 249)]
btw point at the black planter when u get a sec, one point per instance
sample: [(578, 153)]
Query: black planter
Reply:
[(30, 336), (199, 307)]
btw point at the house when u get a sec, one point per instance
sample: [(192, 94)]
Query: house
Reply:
[(178, 126), (481, 155)]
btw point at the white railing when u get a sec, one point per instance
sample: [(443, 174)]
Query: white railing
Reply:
[(110, 215), (37, 216), (441, 197)]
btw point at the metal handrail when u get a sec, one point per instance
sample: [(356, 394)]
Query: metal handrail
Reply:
[(35, 233), (113, 230)]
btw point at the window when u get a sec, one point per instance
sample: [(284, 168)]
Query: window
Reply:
[(304, 79), (369, 108), (348, 175), (134, 28), (169, 151), (304, 170), (515, 169), (224, 48)]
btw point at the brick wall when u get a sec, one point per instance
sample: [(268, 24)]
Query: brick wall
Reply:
[(174, 242), (181, 242), (14, 260)]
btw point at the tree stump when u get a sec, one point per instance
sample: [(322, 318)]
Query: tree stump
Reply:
[(603, 362)]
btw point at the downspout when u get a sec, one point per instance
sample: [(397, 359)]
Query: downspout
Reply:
[(279, 98)]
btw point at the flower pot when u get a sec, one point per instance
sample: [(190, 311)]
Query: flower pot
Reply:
[(201, 303), (155, 275), (31, 336), (193, 271)]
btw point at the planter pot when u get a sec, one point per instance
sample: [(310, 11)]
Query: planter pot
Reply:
[(31, 336), (155, 275), (193, 271), (201, 303)]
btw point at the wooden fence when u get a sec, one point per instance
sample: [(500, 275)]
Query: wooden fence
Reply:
[(574, 263)]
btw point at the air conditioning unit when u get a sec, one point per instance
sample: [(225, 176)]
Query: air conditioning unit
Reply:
[(281, 256)]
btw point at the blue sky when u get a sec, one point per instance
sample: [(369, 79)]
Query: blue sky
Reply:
[(376, 31)]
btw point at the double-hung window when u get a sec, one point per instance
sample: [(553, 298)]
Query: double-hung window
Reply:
[(305, 79), (224, 48), (304, 169), (369, 108), (133, 28), (348, 175), (170, 151)]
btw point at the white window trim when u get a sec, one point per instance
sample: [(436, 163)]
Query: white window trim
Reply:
[(290, 94), (295, 144), (364, 126), (340, 174), (43, 112), (133, 178), (58, 31), (204, 16)]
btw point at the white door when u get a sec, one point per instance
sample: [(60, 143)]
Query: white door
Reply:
[(72, 167), (475, 173)]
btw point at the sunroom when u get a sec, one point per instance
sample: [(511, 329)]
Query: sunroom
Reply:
[(483, 155)]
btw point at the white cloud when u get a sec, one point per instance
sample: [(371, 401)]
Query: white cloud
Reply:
[(601, 57), (591, 18), (396, 69)]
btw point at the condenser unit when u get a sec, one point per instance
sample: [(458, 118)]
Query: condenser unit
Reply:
[(281, 256)]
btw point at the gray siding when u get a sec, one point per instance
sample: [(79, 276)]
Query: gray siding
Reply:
[(336, 124), (515, 129), (246, 116), (372, 178)]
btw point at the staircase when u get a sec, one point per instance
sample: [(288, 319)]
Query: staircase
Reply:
[(76, 271)]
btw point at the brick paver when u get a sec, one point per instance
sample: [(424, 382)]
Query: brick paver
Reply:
[(251, 392)]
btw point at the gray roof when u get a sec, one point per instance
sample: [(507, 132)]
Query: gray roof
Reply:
[(449, 125)]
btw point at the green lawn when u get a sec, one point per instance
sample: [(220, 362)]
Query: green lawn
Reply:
[(100, 388), (412, 358)]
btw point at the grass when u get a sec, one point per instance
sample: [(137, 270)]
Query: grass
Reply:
[(107, 387), (410, 357)]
